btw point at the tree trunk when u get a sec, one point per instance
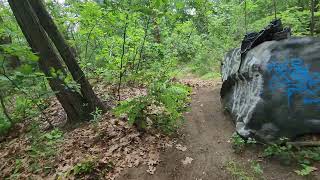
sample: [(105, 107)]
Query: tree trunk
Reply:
[(67, 55), (49, 61), (14, 61), (312, 17)]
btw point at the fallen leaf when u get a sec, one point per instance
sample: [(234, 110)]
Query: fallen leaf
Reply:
[(181, 148), (187, 161), (151, 169)]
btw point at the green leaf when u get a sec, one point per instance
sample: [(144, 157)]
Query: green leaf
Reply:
[(26, 69), (306, 170)]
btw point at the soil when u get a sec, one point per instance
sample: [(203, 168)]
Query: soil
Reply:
[(206, 135)]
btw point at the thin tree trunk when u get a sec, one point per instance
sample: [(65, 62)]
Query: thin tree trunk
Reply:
[(143, 42), (87, 43), (67, 55), (122, 56), (312, 17), (131, 67), (49, 60)]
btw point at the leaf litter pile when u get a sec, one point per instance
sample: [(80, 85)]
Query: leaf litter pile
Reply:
[(99, 149)]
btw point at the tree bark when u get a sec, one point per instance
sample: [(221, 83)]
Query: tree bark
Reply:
[(49, 60), (67, 55), (312, 24)]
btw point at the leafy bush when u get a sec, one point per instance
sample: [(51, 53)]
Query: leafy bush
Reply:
[(5, 125), (161, 108), (84, 167), (289, 154), (23, 107), (256, 167), (281, 150), (44, 144), (89, 167), (306, 170), (238, 143)]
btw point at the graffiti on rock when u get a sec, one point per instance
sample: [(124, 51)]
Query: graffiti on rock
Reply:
[(294, 78), (231, 63)]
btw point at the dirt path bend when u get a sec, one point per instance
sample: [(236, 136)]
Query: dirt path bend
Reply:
[(206, 135)]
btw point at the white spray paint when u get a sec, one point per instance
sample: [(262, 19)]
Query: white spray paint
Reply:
[(246, 92), (231, 63)]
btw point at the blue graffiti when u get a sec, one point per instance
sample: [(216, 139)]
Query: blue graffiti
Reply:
[(294, 78)]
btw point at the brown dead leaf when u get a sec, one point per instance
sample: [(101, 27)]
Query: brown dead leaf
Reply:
[(111, 142)]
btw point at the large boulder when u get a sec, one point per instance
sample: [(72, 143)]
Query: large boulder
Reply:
[(275, 90)]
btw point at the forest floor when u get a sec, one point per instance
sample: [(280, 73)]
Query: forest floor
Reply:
[(111, 149), (203, 150)]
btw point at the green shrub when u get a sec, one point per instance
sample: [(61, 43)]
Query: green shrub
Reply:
[(23, 107), (161, 109), (237, 142), (84, 167), (289, 154), (281, 150), (306, 170), (44, 144), (5, 125)]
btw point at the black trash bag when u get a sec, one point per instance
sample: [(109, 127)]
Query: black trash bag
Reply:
[(274, 31), (274, 91)]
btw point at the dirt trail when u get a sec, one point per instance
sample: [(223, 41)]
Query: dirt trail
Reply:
[(206, 135)]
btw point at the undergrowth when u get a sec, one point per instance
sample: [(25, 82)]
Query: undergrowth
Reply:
[(305, 157), (241, 171), (39, 154), (284, 152), (160, 109)]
